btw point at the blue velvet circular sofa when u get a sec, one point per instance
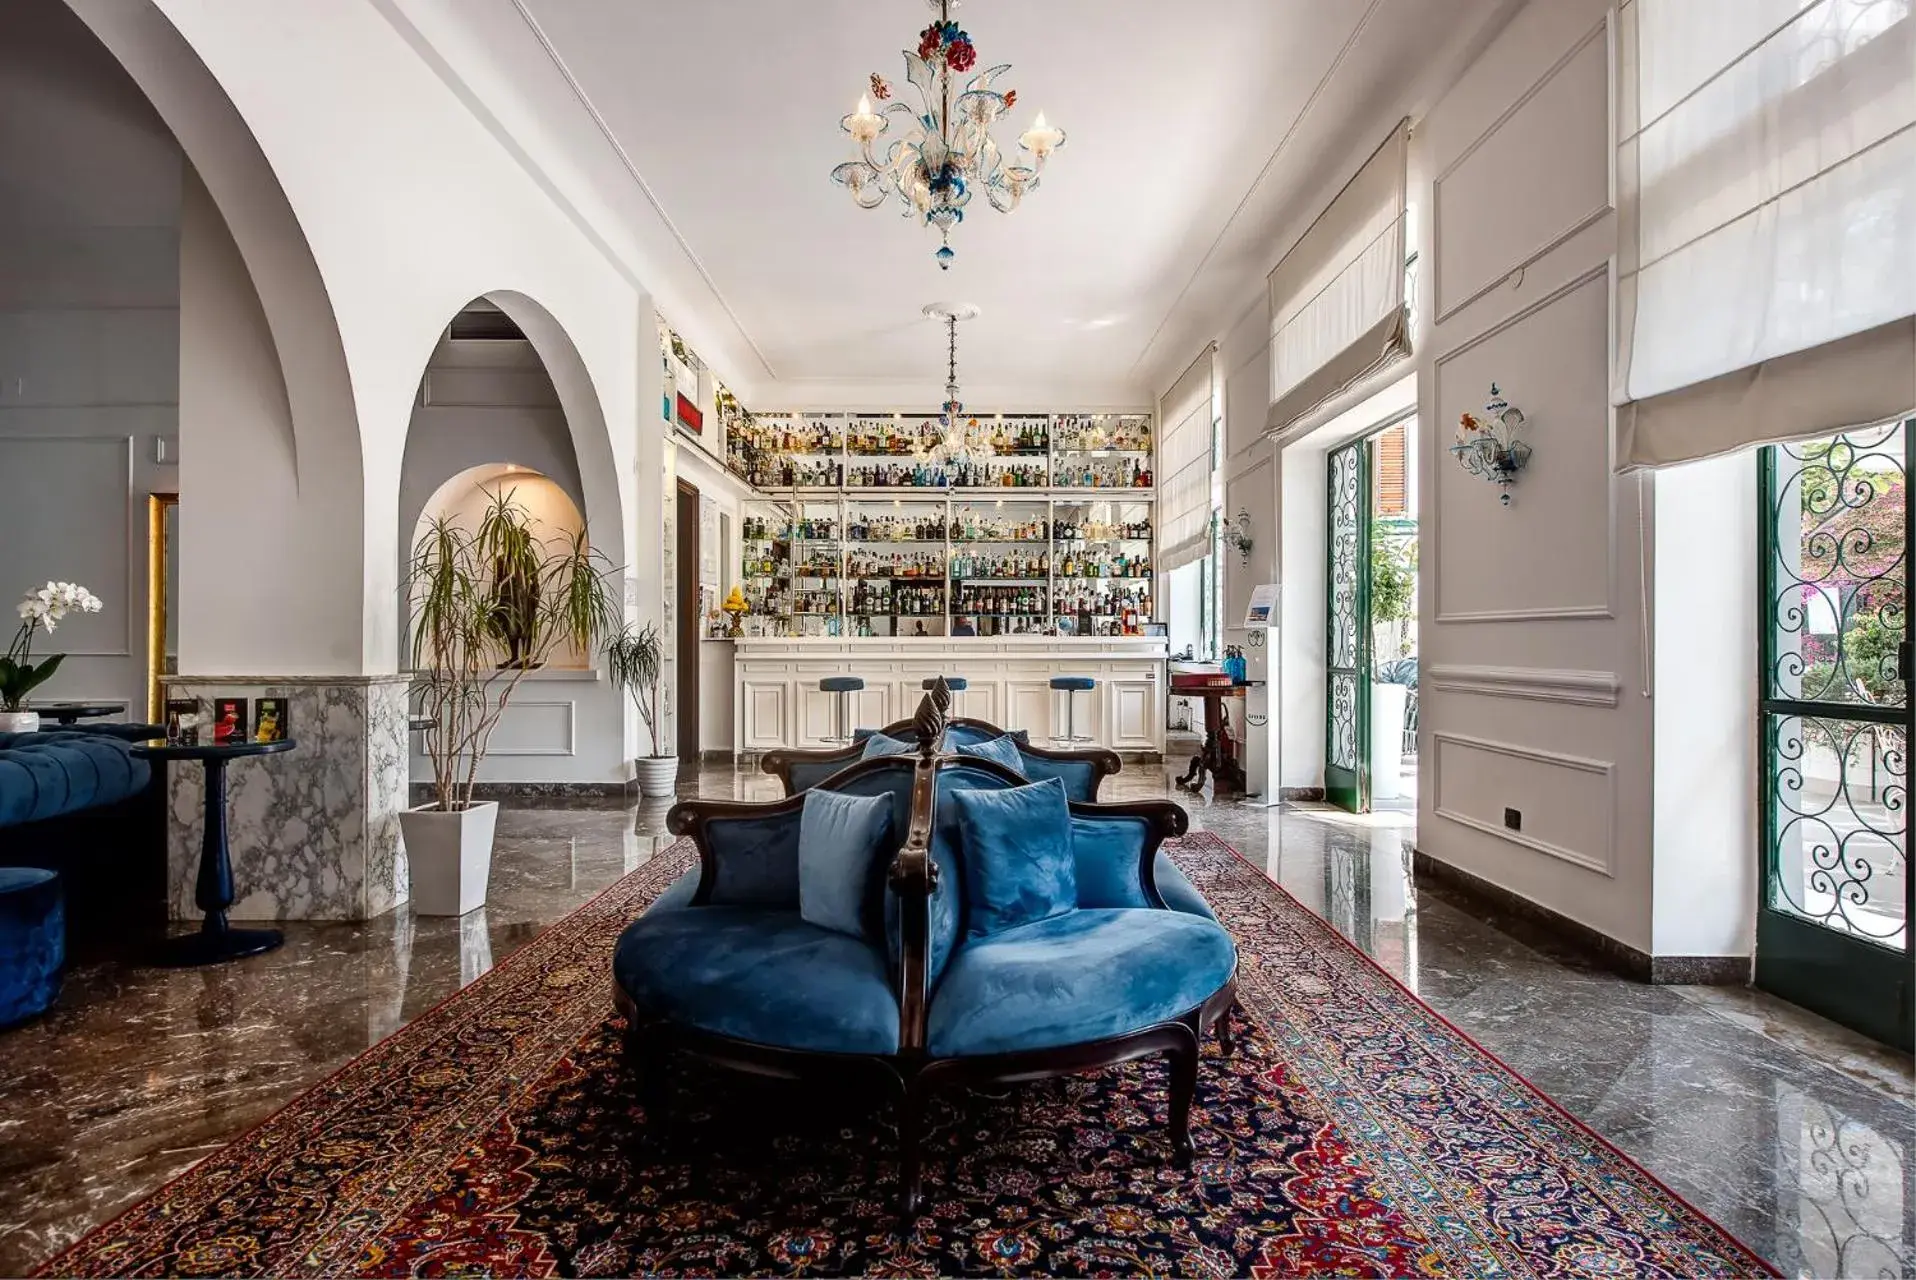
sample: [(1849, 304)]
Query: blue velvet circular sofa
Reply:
[(724, 967)]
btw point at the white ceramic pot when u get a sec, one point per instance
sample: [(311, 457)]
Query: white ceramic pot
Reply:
[(1389, 704), (19, 722), (658, 776), (450, 856)]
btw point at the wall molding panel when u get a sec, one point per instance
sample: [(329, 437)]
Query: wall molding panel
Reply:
[(555, 732), (1541, 437), (87, 485), (1578, 768), (1594, 45), (1541, 684)]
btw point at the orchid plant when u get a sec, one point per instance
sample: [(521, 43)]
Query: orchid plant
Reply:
[(39, 609)]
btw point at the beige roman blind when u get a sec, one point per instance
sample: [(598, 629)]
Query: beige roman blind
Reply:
[(1337, 298), (1187, 461), (1766, 192)]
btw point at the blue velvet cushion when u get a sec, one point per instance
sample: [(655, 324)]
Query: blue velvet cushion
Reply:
[(880, 744), (1076, 684), (32, 941), (840, 838), (1108, 853), (755, 860), (1079, 776), (957, 735), (759, 975), (1017, 856), (1081, 976), (1002, 750)]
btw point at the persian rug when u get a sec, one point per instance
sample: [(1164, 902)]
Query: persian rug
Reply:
[(1354, 1132)]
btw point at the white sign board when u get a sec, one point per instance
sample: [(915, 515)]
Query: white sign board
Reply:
[(1262, 611)]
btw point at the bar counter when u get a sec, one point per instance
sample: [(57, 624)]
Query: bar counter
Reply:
[(778, 702)]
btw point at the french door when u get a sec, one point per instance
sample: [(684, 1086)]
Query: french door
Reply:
[(1832, 930), (1348, 640)]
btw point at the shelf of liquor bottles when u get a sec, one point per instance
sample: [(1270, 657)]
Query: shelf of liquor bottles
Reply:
[(889, 451), (948, 565)]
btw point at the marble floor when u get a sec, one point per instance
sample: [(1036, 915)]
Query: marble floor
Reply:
[(1796, 1135)]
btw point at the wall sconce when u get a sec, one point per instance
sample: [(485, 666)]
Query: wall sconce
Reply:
[(1237, 535), (1491, 447)]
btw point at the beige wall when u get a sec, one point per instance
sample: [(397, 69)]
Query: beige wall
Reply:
[(1532, 619)]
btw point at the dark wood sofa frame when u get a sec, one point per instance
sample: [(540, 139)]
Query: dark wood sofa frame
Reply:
[(913, 876)]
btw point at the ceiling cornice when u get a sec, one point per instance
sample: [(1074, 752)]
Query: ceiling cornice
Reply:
[(638, 179), (1270, 162)]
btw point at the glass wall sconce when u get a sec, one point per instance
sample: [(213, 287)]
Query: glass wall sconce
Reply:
[(1237, 535), (1491, 446)]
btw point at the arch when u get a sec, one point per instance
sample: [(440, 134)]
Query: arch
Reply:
[(511, 425), (584, 416), (322, 633)]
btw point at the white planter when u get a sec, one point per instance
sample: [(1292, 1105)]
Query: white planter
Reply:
[(450, 856), (658, 776), (19, 722), (1389, 703)]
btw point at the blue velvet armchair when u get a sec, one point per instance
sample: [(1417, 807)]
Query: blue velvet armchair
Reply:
[(723, 966)]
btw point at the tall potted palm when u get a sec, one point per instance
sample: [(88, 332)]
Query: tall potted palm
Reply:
[(488, 604), (636, 660)]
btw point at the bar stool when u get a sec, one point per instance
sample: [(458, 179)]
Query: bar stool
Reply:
[(957, 684), (1071, 686), (844, 687)]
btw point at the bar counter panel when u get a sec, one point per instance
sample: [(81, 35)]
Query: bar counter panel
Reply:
[(778, 702)]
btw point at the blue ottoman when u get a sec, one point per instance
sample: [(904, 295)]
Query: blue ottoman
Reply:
[(33, 942)]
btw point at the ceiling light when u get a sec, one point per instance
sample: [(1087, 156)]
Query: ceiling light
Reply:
[(946, 152)]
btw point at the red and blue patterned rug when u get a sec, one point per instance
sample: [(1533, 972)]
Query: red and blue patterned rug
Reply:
[(1354, 1132)]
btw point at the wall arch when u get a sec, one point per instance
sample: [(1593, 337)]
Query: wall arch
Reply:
[(585, 418), (316, 629)]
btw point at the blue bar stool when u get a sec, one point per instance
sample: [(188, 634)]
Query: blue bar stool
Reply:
[(1071, 687), (957, 684), (844, 687)]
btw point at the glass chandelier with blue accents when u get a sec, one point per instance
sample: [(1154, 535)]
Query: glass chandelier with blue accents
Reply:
[(944, 153)]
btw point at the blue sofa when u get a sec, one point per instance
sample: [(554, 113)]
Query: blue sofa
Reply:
[(724, 968), (76, 801), (1082, 772)]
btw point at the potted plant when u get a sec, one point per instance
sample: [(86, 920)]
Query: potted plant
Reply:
[(488, 605), (19, 675), (637, 662), (1393, 607)]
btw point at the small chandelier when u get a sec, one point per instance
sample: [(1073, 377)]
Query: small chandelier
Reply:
[(1492, 447), (954, 445), (946, 151)]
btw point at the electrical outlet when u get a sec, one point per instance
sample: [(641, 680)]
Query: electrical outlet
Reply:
[(1513, 818)]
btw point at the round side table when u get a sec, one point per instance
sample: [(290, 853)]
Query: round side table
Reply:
[(213, 893), (70, 713)]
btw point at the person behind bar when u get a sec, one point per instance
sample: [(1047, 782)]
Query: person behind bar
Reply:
[(962, 626)]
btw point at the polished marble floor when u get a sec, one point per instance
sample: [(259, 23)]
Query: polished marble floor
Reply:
[(1794, 1134)]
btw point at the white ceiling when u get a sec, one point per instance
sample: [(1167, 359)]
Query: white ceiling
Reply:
[(1204, 134)]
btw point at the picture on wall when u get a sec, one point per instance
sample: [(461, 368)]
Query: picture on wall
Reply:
[(229, 721), (269, 720)]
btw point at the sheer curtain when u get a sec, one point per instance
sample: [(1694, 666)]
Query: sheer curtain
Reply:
[(1337, 298), (1186, 460), (1766, 174)]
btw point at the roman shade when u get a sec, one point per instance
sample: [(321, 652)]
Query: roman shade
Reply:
[(1766, 184), (1186, 462), (1337, 298)]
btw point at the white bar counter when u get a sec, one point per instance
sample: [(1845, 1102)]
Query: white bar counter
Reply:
[(778, 703)]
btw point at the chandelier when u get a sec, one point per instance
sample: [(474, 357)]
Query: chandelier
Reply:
[(946, 152), (954, 446)]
